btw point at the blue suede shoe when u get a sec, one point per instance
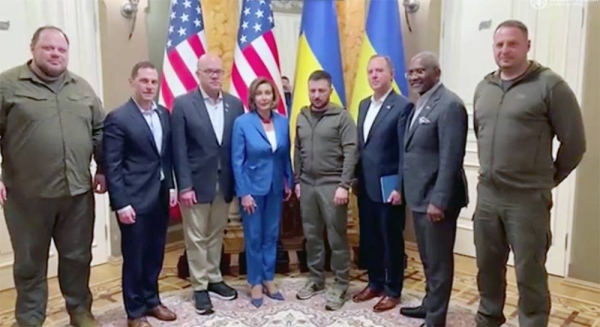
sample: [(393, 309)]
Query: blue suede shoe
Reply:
[(275, 296), (257, 302)]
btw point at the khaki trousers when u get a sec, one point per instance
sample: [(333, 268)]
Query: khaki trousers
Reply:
[(203, 229)]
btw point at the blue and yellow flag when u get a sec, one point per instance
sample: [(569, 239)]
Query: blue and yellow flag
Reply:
[(318, 48), (383, 35)]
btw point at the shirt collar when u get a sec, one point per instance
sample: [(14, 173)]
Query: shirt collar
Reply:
[(144, 111), (382, 98), (206, 97), (428, 94)]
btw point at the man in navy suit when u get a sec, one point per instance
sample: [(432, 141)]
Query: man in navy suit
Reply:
[(381, 125), (202, 123), (137, 149), (435, 181)]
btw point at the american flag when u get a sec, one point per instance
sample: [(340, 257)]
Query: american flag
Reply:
[(256, 52), (186, 42)]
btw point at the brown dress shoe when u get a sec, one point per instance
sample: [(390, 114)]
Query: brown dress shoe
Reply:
[(365, 295), (162, 313), (140, 322), (386, 303)]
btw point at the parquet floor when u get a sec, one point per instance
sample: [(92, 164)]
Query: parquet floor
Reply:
[(572, 305)]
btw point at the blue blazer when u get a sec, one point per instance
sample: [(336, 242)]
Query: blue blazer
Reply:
[(255, 166), (382, 152), (132, 162)]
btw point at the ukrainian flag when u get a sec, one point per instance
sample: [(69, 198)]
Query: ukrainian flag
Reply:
[(383, 35), (318, 48)]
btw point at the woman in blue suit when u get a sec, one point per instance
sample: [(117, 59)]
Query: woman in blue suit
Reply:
[(263, 175)]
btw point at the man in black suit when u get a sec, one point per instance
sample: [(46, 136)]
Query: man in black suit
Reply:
[(434, 181), (137, 151), (381, 122), (202, 124)]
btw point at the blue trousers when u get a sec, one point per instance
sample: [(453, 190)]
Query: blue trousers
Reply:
[(261, 233), (143, 248)]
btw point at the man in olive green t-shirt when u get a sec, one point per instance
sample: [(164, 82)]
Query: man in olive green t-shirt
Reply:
[(50, 126)]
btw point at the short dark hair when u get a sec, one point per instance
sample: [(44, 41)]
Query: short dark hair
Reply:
[(141, 65), (285, 78), (318, 75), (253, 89), (514, 23), (36, 35)]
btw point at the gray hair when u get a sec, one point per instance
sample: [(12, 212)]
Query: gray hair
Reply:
[(429, 59)]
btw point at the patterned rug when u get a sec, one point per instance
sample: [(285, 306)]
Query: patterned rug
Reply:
[(292, 312)]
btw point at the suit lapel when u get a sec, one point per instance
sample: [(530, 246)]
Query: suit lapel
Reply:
[(425, 112), (362, 113), (227, 120), (280, 131), (164, 123), (204, 117), (386, 107), (259, 127), (139, 119)]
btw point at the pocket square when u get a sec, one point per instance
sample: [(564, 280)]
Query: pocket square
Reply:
[(424, 120)]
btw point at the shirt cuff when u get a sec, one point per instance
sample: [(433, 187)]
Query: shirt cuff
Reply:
[(120, 211)]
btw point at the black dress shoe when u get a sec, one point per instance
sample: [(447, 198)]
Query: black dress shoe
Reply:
[(415, 312)]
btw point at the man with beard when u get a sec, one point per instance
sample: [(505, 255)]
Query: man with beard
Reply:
[(137, 152), (434, 181), (518, 111), (324, 160), (50, 126), (381, 122)]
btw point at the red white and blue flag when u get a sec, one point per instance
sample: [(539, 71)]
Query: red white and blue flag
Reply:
[(256, 52), (186, 42)]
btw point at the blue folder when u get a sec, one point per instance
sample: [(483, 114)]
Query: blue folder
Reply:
[(388, 185)]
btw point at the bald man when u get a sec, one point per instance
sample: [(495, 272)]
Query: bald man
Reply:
[(201, 125), (434, 181)]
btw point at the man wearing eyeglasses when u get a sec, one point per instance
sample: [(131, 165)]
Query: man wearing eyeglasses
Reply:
[(201, 126)]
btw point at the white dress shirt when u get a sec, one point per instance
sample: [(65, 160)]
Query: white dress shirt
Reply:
[(372, 112), (215, 113), (422, 101), (272, 139)]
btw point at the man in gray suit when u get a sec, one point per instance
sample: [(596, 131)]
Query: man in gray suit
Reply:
[(434, 181), (202, 122)]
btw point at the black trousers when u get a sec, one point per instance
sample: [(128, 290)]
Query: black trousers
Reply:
[(143, 248), (436, 249), (382, 242)]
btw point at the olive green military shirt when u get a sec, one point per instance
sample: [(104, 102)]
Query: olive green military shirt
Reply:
[(48, 133)]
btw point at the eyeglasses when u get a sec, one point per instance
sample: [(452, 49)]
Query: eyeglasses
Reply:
[(209, 72)]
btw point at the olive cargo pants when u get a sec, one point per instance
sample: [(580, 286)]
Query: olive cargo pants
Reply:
[(319, 214), (32, 224), (518, 220)]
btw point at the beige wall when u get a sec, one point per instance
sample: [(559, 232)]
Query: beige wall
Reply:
[(119, 54), (585, 237)]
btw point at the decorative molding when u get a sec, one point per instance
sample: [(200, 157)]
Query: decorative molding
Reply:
[(288, 6)]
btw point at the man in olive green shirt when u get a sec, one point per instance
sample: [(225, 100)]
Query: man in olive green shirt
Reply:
[(518, 111), (325, 155), (50, 126)]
